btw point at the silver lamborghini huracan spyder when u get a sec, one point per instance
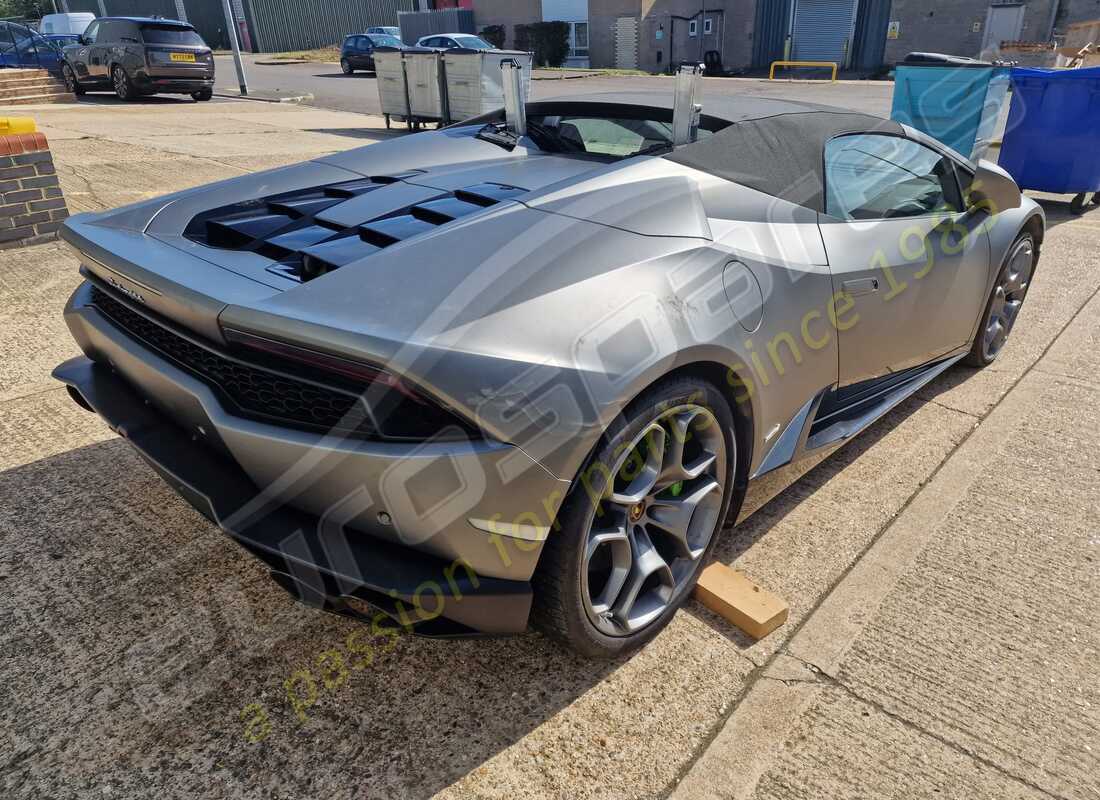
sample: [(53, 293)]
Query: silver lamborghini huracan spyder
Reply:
[(524, 369)]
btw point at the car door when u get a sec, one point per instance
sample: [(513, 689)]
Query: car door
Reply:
[(362, 52), (80, 58), (910, 263), (97, 52), (26, 51), (7, 46)]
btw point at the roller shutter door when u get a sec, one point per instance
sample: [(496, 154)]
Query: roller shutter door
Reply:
[(822, 30)]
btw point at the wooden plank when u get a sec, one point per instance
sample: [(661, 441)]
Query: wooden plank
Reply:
[(735, 598)]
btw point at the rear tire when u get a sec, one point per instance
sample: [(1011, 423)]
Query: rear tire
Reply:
[(1003, 307), (124, 90), (202, 95), (614, 570), (346, 67), (1077, 205)]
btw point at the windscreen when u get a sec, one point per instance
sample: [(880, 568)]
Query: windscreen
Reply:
[(473, 42), (171, 34), (607, 137), (381, 40)]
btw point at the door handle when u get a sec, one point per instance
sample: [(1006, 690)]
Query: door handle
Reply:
[(861, 286)]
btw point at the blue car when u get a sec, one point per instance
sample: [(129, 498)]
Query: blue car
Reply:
[(22, 48)]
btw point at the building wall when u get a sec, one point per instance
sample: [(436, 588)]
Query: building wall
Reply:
[(947, 26), (731, 32), (508, 13), (1072, 11)]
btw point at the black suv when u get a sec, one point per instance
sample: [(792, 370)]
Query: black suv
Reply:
[(138, 55), (357, 51)]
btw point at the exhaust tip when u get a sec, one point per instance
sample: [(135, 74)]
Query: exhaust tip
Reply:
[(78, 398)]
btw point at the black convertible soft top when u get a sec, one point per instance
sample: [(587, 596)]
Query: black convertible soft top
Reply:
[(774, 146)]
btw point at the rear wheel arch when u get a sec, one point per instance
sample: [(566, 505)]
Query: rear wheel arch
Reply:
[(1034, 225)]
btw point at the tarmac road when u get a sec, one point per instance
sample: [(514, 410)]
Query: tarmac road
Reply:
[(359, 92)]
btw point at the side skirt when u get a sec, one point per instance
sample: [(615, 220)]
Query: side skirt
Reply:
[(832, 417)]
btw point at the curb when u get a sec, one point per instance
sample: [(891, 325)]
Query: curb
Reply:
[(295, 98)]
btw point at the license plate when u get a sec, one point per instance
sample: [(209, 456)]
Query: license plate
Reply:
[(186, 57)]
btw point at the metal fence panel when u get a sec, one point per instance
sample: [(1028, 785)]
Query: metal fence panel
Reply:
[(416, 24), (279, 25)]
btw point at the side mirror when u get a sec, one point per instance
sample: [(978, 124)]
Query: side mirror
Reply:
[(83, 39), (992, 189)]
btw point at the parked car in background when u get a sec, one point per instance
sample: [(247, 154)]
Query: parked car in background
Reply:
[(140, 56), (386, 30), (357, 52), (22, 48), (71, 24), (453, 41)]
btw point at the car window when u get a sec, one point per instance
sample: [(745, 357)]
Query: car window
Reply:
[(610, 137), (382, 40), (7, 44), (171, 34), (873, 176), (91, 33), (108, 32), (128, 32), (472, 42), (24, 39)]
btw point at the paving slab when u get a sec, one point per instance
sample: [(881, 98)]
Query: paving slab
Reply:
[(968, 635), (133, 636)]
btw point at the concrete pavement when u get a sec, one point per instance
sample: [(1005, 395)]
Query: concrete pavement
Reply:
[(143, 654)]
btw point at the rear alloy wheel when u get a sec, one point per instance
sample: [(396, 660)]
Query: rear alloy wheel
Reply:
[(72, 85), (121, 81), (639, 522), (346, 66), (1005, 302)]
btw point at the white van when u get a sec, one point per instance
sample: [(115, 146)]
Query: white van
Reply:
[(65, 23)]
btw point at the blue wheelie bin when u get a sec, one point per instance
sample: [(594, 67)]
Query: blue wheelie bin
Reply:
[(954, 99), (1050, 143)]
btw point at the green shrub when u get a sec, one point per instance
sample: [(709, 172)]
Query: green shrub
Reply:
[(494, 35), (549, 41)]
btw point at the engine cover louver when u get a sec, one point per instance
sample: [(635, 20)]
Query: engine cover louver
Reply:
[(301, 245)]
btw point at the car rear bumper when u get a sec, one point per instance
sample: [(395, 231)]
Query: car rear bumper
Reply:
[(466, 535), (174, 84), (321, 564)]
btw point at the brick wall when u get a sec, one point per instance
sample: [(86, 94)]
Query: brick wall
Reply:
[(32, 207)]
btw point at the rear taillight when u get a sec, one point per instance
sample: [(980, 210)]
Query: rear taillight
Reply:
[(398, 409)]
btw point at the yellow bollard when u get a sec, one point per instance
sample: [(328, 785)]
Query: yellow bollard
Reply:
[(17, 125)]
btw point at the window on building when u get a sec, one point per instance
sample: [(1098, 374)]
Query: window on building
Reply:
[(579, 48), (707, 26), (693, 28)]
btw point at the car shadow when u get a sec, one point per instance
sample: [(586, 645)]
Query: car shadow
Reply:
[(370, 134), (106, 98), (1058, 210), (793, 489), (359, 73), (126, 593)]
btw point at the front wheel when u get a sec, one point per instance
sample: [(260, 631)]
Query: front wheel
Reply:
[(346, 66), (124, 90), (202, 95), (72, 85), (1005, 302), (639, 522)]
